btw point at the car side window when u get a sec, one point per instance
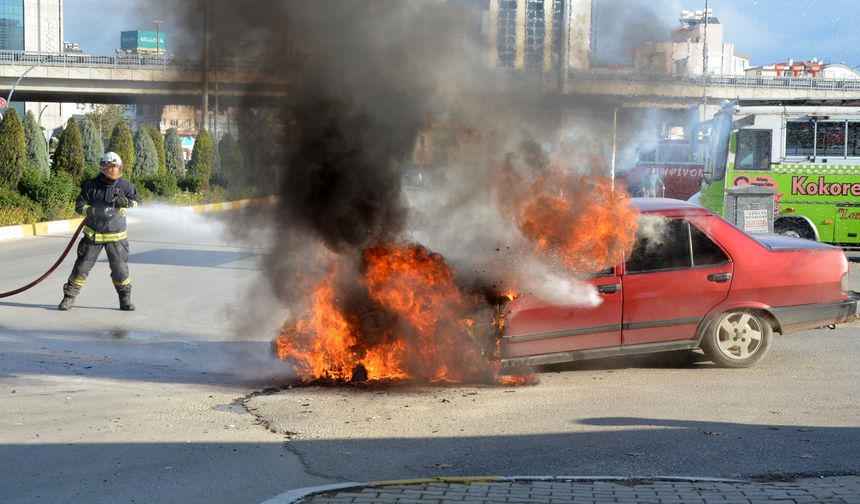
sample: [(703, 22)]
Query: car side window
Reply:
[(705, 251), (661, 248), (605, 272)]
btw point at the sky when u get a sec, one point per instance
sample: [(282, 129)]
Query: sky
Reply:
[(768, 31)]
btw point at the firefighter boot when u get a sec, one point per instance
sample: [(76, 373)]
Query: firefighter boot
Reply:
[(125, 303), (66, 303)]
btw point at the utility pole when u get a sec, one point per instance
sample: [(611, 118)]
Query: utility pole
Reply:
[(158, 36), (217, 104), (614, 147), (564, 57), (217, 78), (705, 66), (205, 121)]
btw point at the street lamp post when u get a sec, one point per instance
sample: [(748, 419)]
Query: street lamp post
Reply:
[(157, 36), (39, 120), (9, 98), (39, 123)]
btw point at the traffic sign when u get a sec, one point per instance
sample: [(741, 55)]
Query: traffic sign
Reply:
[(2, 102)]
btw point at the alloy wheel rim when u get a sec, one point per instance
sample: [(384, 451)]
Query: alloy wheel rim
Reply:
[(739, 335)]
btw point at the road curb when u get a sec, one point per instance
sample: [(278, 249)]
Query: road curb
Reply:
[(19, 231), (16, 232), (229, 205), (293, 496)]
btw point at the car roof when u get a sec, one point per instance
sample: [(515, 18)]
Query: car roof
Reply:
[(667, 206)]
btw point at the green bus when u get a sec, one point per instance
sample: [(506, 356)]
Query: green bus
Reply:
[(809, 155)]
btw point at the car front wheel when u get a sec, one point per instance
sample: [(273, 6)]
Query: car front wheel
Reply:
[(737, 339)]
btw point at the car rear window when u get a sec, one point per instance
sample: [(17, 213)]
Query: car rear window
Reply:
[(705, 251), (666, 244)]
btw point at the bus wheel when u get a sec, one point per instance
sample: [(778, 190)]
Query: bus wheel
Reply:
[(795, 228)]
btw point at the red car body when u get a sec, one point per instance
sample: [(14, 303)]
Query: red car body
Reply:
[(728, 296)]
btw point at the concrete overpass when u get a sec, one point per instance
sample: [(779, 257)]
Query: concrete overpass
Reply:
[(79, 78), (668, 91), (132, 79)]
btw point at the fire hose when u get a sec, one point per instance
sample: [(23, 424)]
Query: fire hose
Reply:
[(51, 269)]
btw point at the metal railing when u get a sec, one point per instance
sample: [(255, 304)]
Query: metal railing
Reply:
[(784, 82), (739, 81), (125, 61), (86, 60)]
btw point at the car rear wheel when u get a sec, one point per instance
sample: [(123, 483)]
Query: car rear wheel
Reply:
[(737, 339)]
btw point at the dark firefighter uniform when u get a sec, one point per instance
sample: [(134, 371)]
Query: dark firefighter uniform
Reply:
[(103, 202)]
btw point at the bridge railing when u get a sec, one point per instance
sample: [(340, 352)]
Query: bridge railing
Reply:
[(86, 60), (126, 61), (784, 82), (721, 80)]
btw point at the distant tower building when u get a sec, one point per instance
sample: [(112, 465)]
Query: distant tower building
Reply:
[(33, 25), (539, 35), (696, 43)]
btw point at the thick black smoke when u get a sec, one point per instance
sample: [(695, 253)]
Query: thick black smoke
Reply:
[(620, 26), (362, 79)]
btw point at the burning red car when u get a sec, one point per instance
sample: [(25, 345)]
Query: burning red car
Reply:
[(693, 280)]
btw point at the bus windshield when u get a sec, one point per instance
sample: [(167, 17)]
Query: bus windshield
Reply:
[(718, 149)]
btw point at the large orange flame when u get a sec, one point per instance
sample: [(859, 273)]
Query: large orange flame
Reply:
[(580, 221), (401, 315), (326, 343), (435, 317), (421, 325)]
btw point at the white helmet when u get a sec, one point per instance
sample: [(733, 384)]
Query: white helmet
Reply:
[(110, 158)]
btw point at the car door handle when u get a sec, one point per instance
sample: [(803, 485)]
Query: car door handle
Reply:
[(719, 277), (608, 288)]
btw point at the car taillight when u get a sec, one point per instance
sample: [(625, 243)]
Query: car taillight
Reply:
[(843, 284)]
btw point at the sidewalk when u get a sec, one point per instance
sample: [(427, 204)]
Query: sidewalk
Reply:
[(829, 490)]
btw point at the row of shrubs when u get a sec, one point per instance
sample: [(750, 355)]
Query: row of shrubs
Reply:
[(52, 197), (34, 187), (38, 186)]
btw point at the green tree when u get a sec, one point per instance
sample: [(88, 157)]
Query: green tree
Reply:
[(13, 150), (94, 144), (200, 166), (105, 117), (122, 143), (145, 159), (173, 153), (158, 142), (260, 130), (37, 147), (69, 156), (232, 161)]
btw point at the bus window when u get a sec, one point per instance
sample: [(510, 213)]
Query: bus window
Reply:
[(853, 139), (753, 149), (799, 137), (830, 139)]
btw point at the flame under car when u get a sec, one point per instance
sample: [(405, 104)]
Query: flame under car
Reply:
[(692, 281)]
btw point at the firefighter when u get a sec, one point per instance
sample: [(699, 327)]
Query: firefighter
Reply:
[(103, 201)]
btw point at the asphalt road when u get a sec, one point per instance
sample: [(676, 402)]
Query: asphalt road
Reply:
[(181, 401)]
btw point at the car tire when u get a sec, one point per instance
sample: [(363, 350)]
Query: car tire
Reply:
[(737, 339)]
